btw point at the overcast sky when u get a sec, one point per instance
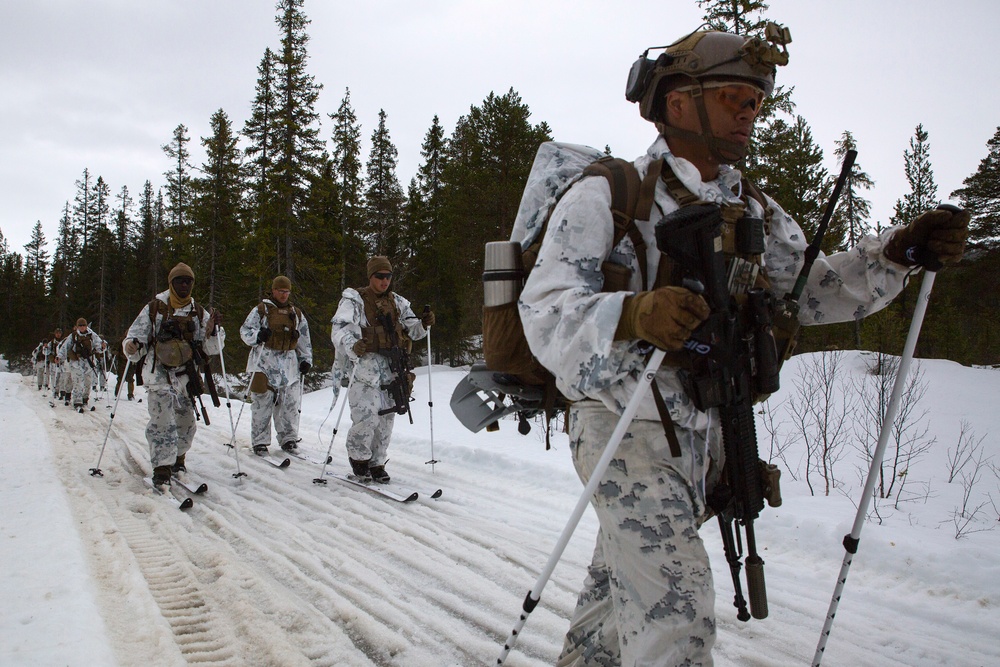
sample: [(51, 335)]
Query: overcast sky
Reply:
[(102, 84)]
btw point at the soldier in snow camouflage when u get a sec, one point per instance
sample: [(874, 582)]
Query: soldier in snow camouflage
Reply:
[(648, 598), (360, 337), (281, 356), (172, 419)]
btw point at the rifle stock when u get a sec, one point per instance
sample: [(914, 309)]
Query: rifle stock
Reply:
[(399, 364)]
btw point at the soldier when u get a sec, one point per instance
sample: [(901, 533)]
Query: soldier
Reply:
[(278, 332), (648, 598), (59, 381), (174, 333), (38, 359), (77, 351), (370, 324)]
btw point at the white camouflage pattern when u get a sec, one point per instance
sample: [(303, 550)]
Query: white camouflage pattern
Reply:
[(281, 403), (81, 370), (172, 418), (570, 325), (368, 437)]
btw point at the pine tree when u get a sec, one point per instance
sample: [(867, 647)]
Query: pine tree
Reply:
[(487, 162), (36, 258), (216, 213), (346, 164), (83, 209), (734, 16), (178, 188), (64, 264), (261, 131), (383, 226), (298, 147), (920, 176), (853, 210), (981, 195)]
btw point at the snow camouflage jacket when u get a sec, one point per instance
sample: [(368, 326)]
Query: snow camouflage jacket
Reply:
[(62, 351), (143, 331), (280, 366), (372, 369), (570, 325)]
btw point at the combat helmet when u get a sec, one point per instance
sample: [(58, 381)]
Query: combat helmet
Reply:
[(702, 57)]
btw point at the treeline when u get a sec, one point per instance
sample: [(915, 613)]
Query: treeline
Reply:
[(278, 197)]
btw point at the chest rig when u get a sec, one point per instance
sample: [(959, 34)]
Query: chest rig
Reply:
[(174, 340), (377, 307), (81, 347), (283, 323)]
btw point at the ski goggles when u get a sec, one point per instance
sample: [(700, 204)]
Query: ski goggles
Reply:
[(382, 276)]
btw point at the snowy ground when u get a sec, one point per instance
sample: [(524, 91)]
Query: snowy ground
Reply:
[(271, 569)]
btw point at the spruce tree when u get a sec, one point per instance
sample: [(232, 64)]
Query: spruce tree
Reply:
[(36, 257), (981, 195), (178, 189), (261, 131), (298, 147), (64, 265), (853, 210), (736, 16), (346, 164), (383, 225), (217, 227), (923, 191)]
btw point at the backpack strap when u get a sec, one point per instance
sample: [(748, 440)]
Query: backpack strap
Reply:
[(631, 199)]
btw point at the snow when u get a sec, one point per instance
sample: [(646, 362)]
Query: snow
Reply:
[(272, 569)]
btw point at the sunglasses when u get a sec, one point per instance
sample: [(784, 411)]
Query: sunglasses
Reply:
[(736, 97), (382, 276)]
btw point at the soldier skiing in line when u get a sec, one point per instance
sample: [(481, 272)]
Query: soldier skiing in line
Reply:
[(77, 351), (372, 324), (172, 332), (59, 379), (38, 358), (278, 332), (648, 598)]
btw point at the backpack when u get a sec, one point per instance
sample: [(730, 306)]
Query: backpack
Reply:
[(509, 370)]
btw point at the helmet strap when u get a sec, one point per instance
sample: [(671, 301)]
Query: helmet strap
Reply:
[(716, 146)]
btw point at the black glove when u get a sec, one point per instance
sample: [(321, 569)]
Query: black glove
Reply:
[(263, 335), (304, 367), (941, 231)]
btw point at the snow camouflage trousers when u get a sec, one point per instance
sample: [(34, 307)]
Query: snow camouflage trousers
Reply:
[(171, 426), (40, 373), (82, 377), (648, 597), (368, 438), (281, 406)]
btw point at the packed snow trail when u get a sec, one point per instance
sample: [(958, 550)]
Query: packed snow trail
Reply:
[(271, 569)]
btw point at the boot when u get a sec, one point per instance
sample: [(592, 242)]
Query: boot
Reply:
[(360, 469), (178, 465), (161, 476), (379, 474), (290, 446), (260, 450)]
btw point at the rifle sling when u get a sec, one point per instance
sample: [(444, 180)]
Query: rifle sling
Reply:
[(668, 423)]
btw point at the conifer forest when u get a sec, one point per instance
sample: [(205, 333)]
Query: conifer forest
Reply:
[(280, 196)]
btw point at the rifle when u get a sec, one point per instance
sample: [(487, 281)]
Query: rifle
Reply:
[(399, 364), (733, 359)]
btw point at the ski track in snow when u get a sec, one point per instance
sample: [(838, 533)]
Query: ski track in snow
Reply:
[(272, 569)]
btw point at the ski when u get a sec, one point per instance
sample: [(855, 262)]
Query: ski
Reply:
[(304, 457), (273, 460), (196, 488), (380, 489), (182, 504)]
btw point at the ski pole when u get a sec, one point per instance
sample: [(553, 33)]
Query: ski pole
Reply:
[(430, 392), (243, 404), (535, 594), (229, 406), (851, 541), (321, 479), (96, 470)]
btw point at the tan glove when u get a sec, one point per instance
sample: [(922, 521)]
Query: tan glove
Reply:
[(131, 347), (664, 317), (428, 319), (360, 347), (942, 231)]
